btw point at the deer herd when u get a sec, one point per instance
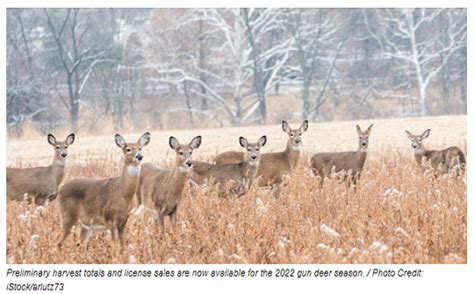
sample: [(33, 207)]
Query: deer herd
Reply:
[(105, 204)]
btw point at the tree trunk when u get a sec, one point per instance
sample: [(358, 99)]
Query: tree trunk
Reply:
[(259, 82), (202, 64)]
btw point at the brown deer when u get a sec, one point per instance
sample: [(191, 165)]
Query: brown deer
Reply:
[(39, 183), (161, 190), (351, 162), (103, 203), (274, 166), (442, 161), (232, 178)]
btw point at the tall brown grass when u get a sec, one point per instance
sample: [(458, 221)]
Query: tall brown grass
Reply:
[(397, 215)]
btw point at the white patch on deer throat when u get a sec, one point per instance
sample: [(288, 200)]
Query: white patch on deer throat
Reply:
[(133, 170), (419, 151), (61, 162), (253, 163), (184, 169), (297, 148)]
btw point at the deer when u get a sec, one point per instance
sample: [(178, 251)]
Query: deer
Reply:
[(274, 166), (40, 183), (98, 204), (161, 190), (232, 178), (350, 162), (442, 161)]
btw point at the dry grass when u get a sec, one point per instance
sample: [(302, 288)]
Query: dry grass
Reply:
[(397, 214)]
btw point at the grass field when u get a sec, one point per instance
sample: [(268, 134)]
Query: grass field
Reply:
[(397, 215)]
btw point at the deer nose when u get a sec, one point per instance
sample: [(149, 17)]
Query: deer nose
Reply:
[(414, 146), (189, 163), (364, 144), (63, 154), (253, 157), (297, 141), (139, 157)]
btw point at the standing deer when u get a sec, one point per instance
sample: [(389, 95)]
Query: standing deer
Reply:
[(274, 165), (441, 160), (103, 203), (39, 183), (351, 162), (236, 176), (161, 190)]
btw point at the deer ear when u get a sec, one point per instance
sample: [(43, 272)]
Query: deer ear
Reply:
[(144, 139), (285, 126), (358, 129), (243, 142), (119, 140), (70, 139), (195, 142), (51, 139), (409, 135), (174, 144), (304, 126), (262, 141), (369, 129), (426, 134)]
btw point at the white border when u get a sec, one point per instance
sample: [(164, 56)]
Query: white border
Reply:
[(438, 278)]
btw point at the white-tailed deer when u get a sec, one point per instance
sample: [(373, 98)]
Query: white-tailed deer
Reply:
[(351, 162), (274, 166), (161, 190), (442, 161), (39, 183), (232, 178), (103, 203)]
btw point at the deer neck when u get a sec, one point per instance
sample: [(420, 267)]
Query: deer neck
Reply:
[(178, 179), (292, 153), (129, 180), (419, 154), (361, 155), (58, 166), (249, 170)]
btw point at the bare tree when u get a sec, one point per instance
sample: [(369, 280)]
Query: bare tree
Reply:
[(319, 39), (78, 59), (406, 35)]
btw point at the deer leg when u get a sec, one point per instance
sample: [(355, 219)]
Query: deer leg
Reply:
[(121, 234), (173, 218), (85, 236), (161, 217), (68, 222), (321, 181), (113, 244)]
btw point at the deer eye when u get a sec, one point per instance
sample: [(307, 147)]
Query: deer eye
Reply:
[(181, 153), (291, 135), (257, 149), (65, 147), (57, 147), (128, 149), (190, 153)]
